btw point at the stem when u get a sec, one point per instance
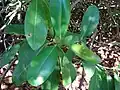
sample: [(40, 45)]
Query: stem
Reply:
[(93, 39), (82, 79), (59, 64)]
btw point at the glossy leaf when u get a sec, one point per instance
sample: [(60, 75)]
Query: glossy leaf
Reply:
[(70, 39), (15, 29), (65, 17), (75, 36), (110, 83), (89, 22), (89, 69), (53, 81), (25, 56), (36, 19), (60, 51), (85, 53), (98, 81), (42, 66), (8, 55), (70, 54), (60, 16), (117, 82), (68, 71)]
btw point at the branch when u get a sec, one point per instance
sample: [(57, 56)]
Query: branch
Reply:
[(74, 4)]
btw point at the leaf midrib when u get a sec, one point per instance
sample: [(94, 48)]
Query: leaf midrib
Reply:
[(35, 21), (47, 57)]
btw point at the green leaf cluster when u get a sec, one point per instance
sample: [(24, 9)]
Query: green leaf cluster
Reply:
[(38, 62), (101, 80), (46, 63)]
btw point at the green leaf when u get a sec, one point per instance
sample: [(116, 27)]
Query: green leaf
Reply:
[(15, 29), (110, 83), (89, 22), (42, 66), (85, 53), (89, 69), (36, 20), (25, 56), (60, 16), (70, 39), (70, 54), (53, 81), (8, 55), (65, 17), (68, 71), (117, 82), (60, 51), (98, 80)]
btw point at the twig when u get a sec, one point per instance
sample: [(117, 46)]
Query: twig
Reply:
[(109, 43), (93, 38), (28, 1), (11, 15), (82, 79), (12, 62), (117, 25), (4, 42), (2, 1), (107, 68), (74, 4)]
